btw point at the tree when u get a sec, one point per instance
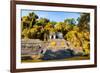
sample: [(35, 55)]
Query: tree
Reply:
[(25, 33), (25, 23), (49, 28), (70, 21), (32, 18), (84, 22), (59, 26), (42, 22), (28, 21), (53, 23)]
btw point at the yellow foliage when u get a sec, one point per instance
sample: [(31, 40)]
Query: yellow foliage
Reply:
[(87, 51), (87, 35), (78, 40), (62, 43), (33, 30), (24, 18), (86, 44), (76, 28), (58, 26), (25, 33), (53, 43), (49, 28)]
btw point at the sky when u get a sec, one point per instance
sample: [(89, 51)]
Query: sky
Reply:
[(57, 16)]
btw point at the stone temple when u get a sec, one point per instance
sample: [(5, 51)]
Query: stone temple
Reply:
[(56, 47), (56, 42)]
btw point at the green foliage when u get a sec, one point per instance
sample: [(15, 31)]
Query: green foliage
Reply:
[(84, 22), (53, 22), (70, 21), (42, 22)]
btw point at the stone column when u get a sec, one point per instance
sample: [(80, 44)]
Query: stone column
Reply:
[(54, 36), (50, 36)]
